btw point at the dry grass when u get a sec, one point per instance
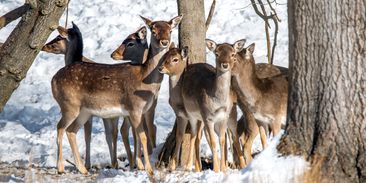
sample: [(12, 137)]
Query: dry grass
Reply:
[(314, 174)]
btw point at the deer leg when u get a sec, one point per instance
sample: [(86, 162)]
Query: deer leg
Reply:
[(193, 124), (149, 140), (71, 135), (67, 118), (136, 123), (276, 127), (211, 132), (111, 134), (181, 128), (125, 129), (222, 136), (233, 128), (88, 126), (198, 165), (262, 133), (151, 127)]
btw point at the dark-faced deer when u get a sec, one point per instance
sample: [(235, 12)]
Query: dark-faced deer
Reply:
[(265, 97), (133, 46), (109, 91), (59, 45)]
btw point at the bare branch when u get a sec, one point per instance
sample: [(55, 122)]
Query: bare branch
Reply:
[(13, 15), (258, 12), (210, 14), (273, 10), (275, 21)]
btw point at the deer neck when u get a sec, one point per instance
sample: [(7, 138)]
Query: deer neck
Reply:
[(151, 73), (175, 82), (222, 85), (74, 51), (248, 82)]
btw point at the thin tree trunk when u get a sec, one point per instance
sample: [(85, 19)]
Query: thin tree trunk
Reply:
[(327, 98), (24, 43)]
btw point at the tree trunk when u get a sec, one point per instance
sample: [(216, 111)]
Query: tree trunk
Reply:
[(24, 43), (327, 98), (192, 33)]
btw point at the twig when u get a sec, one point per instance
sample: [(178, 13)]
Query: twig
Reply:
[(13, 15), (265, 18), (275, 38), (210, 14)]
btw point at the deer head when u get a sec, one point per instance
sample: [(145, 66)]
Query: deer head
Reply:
[(174, 61), (225, 53), (74, 50), (58, 45), (134, 48), (161, 31)]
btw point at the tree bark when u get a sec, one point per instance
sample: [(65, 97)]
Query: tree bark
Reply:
[(192, 33), (327, 98), (192, 29), (13, 15), (24, 43)]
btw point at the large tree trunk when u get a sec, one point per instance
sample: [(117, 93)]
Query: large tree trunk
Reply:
[(192, 33), (24, 43), (327, 99)]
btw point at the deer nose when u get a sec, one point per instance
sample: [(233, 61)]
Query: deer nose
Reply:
[(164, 43), (225, 65), (116, 56), (161, 68)]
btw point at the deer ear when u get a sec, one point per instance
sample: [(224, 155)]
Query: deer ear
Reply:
[(147, 21), (142, 32), (184, 52), (175, 21), (62, 31), (211, 45), (239, 45), (172, 45), (251, 48)]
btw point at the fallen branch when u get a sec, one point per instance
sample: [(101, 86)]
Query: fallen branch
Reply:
[(13, 15)]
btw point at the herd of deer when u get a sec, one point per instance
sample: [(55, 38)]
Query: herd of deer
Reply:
[(200, 94)]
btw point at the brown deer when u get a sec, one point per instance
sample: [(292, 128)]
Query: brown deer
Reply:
[(174, 64), (59, 45), (207, 97), (85, 89), (265, 97)]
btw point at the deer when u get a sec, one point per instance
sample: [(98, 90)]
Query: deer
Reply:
[(264, 95), (174, 64), (85, 89), (59, 45), (207, 97), (134, 46)]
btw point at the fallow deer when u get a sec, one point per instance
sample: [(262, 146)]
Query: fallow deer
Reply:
[(59, 45), (265, 97), (174, 64), (85, 89), (248, 126), (207, 97)]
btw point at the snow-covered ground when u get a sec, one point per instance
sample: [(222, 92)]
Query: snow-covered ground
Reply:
[(28, 122)]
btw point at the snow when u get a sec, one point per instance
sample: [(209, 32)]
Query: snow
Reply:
[(28, 122)]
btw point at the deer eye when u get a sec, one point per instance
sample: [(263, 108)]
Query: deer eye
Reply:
[(175, 60), (130, 44), (216, 54), (232, 55)]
